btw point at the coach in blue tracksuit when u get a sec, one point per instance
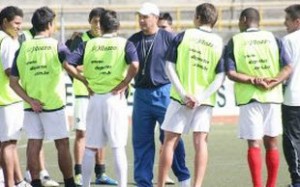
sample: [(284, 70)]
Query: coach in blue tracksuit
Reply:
[(151, 98)]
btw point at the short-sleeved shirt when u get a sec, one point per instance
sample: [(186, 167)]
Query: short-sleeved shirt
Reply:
[(230, 60), (172, 53), (9, 47), (76, 57), (152, 50), (292, 91), (62, 49)]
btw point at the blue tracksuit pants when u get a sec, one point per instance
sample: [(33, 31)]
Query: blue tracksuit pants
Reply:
[(149, 107)]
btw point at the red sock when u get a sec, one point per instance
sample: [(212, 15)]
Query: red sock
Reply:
[(272, 161), (255, 165)]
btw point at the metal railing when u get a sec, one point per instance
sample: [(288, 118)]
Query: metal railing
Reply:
[(75, 16)]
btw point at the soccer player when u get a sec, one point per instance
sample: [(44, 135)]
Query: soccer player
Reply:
[(81, 105), (291, 103), (44, 174), (37, 76), (151, 97), (109, 64), (11, 114), (196, 69), (258, 64)]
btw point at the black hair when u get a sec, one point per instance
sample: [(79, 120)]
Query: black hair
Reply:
[(9, 13), (166, 16), (251, 15), (207, 13), (96, 12), (109, 21), (293, 11), (41, 18)]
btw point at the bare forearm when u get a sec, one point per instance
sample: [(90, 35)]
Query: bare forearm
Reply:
[(239, 77), (132, 71), (14, 84), (72, 71)]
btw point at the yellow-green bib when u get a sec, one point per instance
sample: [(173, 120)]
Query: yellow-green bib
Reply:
[(7, 95), (27, 34), (256, 54), (198, 55), (104, 63), (41, 72)]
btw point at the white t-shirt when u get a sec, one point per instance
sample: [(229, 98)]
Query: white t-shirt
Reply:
[(292, 93), (8, 49)]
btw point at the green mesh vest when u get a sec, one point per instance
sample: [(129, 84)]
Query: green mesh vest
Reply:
[(104, 63), (256, 54), (41, 72), (198, 55)]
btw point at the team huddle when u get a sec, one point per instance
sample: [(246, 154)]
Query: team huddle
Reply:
[(175, 76)]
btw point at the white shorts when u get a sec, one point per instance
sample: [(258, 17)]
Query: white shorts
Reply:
[(107, 121), (46, 125), (180, 119), (257, 119), (11, 121), (80, 109)]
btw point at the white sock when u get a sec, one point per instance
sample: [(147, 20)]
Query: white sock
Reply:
[(1, 175), (185, 183), (120, 165), (44, 173), (27, 176), (87, 166)]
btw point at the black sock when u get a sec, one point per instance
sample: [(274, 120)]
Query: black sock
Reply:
[(77, 169), (99, 169), (36, 183), (69, 182)]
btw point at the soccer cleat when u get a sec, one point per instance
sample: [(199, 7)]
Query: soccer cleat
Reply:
[(169, 181), (104, 179), (23, 184), (48, 182), (78, 180)]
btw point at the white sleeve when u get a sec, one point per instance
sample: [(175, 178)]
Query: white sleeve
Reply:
[(213, 87), (288, 47), (171, 73), (8, 51)]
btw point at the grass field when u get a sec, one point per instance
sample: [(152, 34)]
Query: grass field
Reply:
[(227, 165)]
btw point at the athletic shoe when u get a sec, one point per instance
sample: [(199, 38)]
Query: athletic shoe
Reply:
[(78, 180), (48, 182), (23, 184), (169, 181), (104, 179)]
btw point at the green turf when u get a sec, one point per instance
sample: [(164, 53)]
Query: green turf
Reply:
[(227, 165)]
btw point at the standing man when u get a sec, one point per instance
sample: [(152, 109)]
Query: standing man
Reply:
[(38, 67), (291, 103), (196, 69), (258, 63), (44, 174), (151, 98), (106, 60), (81, 105), (11, 114)]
